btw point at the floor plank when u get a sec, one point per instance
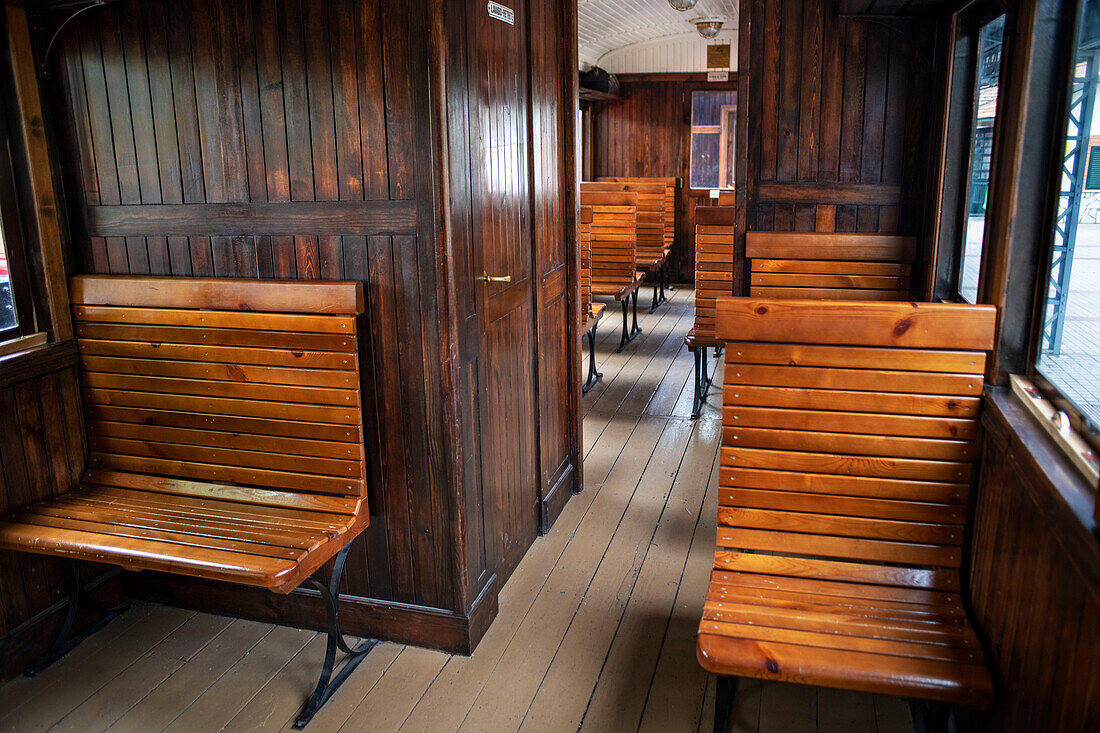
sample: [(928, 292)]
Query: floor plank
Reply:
[(596, 627)]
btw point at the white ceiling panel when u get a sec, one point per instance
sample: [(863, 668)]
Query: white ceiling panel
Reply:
[(607, 25)]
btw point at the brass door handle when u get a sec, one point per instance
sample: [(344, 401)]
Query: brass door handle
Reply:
[(495, 278)]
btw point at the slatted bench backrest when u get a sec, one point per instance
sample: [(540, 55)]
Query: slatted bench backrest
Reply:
[(612, 236), (830, 266), (650, 225), (256, 386), (714, 239), (670, 201), (849, 438), (584, 235)]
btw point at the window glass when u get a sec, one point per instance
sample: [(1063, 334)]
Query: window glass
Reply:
[(1069, 355), (713, 124), (986, 86), (7, 303)]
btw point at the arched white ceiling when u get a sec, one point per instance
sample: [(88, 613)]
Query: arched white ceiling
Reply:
[(649, 36)]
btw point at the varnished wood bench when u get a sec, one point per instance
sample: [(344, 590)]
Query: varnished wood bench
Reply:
[(849, 448), (650, 255), (714, 244), (671, 185), (225, 435), (830, 266), (613, 239), (591, 312)]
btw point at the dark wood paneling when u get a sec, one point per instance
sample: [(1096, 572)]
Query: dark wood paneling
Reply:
[(1035, 578), (287, 139), (552, 172), (42, 454), (827, 111)]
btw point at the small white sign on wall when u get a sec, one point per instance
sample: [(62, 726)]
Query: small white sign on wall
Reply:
[(723, 75), (502, 13)]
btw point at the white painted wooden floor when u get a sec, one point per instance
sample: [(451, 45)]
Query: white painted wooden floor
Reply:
[(596, 629)]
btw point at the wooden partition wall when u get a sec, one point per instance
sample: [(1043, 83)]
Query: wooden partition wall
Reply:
[(303, 139)]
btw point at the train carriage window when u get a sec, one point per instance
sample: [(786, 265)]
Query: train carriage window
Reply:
[(1069, 351), (16, 305), (713, 123), (986, 87)]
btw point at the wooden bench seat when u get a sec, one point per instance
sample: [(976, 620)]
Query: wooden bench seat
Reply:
[(225, 436), (714, 258), (650, 253), (849, 441), (613, 239), (830, 266), (591, 312)]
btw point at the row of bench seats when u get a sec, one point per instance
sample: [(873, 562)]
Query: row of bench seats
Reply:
[(612, 239)]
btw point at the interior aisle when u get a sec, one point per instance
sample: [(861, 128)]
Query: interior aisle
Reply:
[(596, 629)]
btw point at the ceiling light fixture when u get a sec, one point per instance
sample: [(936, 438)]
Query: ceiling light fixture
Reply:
[(708, 27), (682, 5)]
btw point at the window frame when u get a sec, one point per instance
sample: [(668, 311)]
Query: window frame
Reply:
[(961, 110), (14, 233), (1081, 423), (689, 96)]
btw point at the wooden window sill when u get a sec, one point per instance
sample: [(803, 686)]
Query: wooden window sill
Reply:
[(1054, 482), (22, 366)]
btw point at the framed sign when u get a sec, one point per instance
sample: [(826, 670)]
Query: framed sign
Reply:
[(502, 13), (718, 56)]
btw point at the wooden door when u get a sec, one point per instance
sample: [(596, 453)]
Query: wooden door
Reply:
[(503, 264)]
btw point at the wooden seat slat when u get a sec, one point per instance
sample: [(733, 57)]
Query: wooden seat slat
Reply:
[(186, 539), (236, 320), (88, 507), (816, 494), (852, 443), (839, 619), (297, 358), (826, 640), (847, 281), (814, 520), (847, 464), (135, 554), (818, 246), (234, 474), (850, 592), (853, 572), (218, 439), (865, 423), (343, 468), (217, 337), (832, 399), (328, 432), (269, 497), (846, 548), (217, 509), (896, 269), (847, 506), (339, 379), (870, 380), (880, 673), (823, 483), (861, 357), (216, 388), (827, 293), (279, 296), (931, 604), (224, 406)]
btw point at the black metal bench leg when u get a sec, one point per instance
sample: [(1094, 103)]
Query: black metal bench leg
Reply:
[(634, 329), (63, 643), (626, 329), (656, 288), (703, 381), (593, 375), (725, 691), (930, 716), (327, 685)]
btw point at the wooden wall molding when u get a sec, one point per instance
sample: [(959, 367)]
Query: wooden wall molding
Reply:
[(326, 218), (829, 192), (27, 365)]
